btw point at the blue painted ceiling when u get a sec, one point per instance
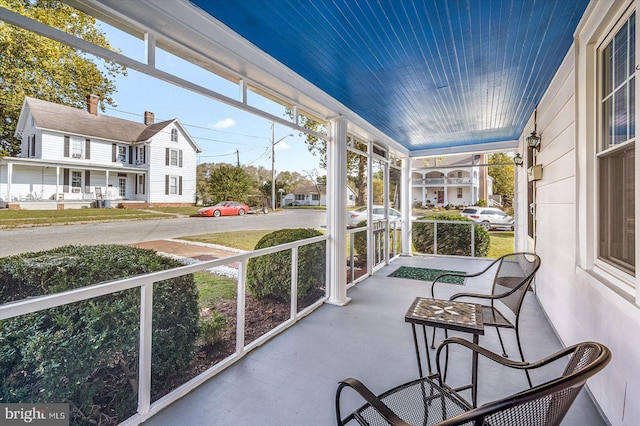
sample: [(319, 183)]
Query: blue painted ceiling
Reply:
[(428, 73)]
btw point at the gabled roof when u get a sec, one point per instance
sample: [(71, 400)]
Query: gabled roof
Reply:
[(63, 118), (309, 189)]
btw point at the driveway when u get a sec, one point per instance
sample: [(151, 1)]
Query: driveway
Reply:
[(21, 240)]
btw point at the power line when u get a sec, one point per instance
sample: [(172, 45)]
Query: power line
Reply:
[(196, 126)]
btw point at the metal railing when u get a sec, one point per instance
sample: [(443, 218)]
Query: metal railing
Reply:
[(145, 283), (385, 248), (441, 232)]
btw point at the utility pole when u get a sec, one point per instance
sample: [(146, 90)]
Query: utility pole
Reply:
[(273, 164), (238, 157)]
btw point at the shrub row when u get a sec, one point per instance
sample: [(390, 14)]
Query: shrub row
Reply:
[(86, 353), (453, 239), (269, 276)]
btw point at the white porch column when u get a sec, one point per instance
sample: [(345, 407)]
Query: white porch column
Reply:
[(405, 208), (336, 213), (57, 183), (9, 179)]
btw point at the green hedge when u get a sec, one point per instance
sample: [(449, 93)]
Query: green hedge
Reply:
[(453, 239), (360, 241), (86, 353), (269, 276)]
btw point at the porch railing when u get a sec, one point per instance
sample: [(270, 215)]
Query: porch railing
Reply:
[(386, 240), (145, 407), (437, 235)]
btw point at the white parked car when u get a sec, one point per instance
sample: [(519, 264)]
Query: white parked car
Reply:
[(354, 217), (489, 217)]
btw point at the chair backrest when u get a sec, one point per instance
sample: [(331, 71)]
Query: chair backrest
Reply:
[(514, 276), (548, 403)]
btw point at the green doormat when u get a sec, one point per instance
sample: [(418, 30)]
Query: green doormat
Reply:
[(426, 274)]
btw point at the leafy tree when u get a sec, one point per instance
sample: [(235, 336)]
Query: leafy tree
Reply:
[(258, 176), (291, 180), (32, 65), (503, 176), (319, 182), (356, 163), (227, 182)]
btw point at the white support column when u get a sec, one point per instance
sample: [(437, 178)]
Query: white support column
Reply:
[(371, 250), (336, 213), (405, 208), (57, 183), (9, 179), (385, 190)]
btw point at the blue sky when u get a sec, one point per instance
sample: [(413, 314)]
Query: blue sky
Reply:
[(218, 129)]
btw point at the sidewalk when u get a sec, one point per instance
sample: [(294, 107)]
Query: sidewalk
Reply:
[(193, 252)]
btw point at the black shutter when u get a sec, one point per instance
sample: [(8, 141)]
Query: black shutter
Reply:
[(166, 156), (144, 154), (65, 180), (87, 149), (166, 184), (66, 146), (180, 185), (87, 181), (114, 152), (180, 158), (144, 184), (135, 186), (130, 154)]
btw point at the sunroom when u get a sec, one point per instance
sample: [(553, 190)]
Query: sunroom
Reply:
[(393, 82)]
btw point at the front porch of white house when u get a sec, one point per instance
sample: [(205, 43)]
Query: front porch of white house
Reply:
[(44, 185), (292, 379)]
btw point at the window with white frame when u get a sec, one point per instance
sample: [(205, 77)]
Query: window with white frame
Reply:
[(173, 185), (76, 181), (122, 153), (315, 197), (174, 135), (616, 151), (76, 148), (173, 157), (459, 192), (31, 148)]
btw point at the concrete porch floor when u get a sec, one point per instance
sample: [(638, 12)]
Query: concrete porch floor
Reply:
[(292, 379)]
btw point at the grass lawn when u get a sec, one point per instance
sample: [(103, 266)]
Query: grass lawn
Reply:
[(213, 288), (502, 242), (15, 218), (243, 240)]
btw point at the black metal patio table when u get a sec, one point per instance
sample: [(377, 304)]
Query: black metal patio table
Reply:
[(457, 316)]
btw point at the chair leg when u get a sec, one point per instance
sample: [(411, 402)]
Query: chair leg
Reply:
[(504, 352), (522, 357), (433, 338)]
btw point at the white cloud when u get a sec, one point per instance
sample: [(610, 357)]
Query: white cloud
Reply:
[(224, 124), (282, 145)]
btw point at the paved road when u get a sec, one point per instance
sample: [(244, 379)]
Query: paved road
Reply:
[(23, 240)]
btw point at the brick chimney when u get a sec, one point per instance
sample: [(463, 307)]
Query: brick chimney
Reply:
[(92, 104), (148, 118)]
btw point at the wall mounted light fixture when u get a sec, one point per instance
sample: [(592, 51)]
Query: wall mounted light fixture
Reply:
[(518, 160), (533, 140)]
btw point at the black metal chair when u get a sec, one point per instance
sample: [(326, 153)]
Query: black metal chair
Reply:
[(514, 276), (430, 401)]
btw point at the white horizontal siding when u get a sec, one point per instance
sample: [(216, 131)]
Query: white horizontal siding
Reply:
[(580, 305), (158, 169)]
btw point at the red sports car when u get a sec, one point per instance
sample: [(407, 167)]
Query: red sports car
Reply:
[(225, 208)]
